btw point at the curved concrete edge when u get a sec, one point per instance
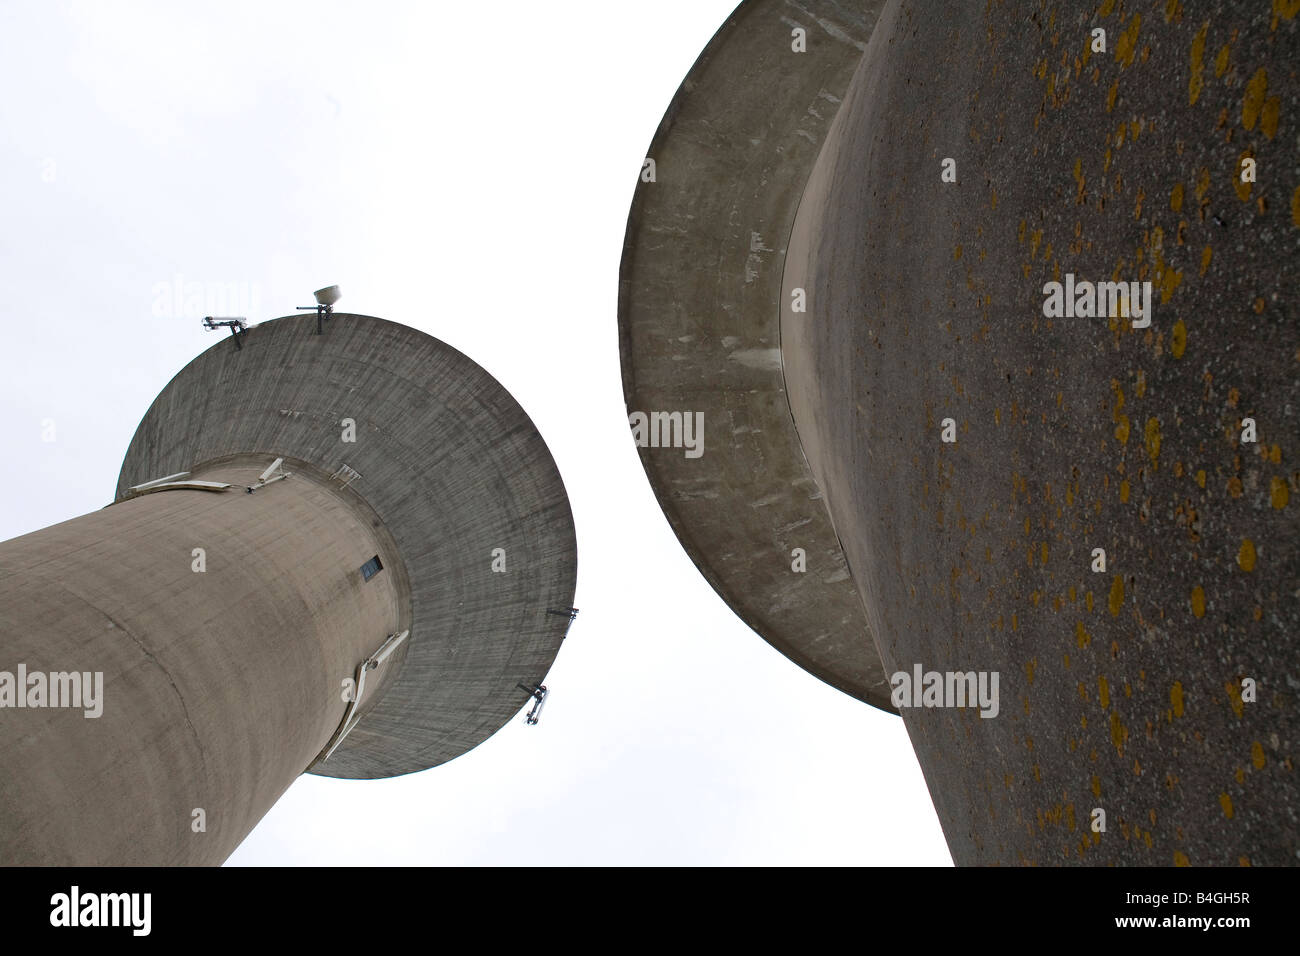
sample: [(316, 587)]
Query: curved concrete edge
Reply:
[(453, 467), (699, 316)]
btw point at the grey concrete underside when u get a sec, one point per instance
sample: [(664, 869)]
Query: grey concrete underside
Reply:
[(453, 468), (699, 327), (1119, 690)]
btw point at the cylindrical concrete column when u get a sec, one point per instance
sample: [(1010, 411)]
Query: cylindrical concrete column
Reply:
[(209, 634)]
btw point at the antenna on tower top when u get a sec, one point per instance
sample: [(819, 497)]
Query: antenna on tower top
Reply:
[(235, 325), (325, 299)]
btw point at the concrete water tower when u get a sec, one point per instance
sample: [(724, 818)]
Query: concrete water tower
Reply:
[(338, 546)]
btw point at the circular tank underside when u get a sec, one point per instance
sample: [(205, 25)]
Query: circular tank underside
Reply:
[(699, 328), (453, 468)]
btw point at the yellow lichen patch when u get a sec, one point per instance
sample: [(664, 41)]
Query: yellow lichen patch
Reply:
[(1196, 82), (1275, 454), (1152, 439), (1176, 198), (1202, 183), (1123, 491), (1200, 477), (1082, 637), (956, 253), (1116, 600), (1242, 188), (1096, 785), (1257, 757), (1246, 555), (1087, 601), (1020, 232), (1176, 698), (1111, 95), (1042, 557), (1178, 339), (1103, 693), (1225, 801), (1234, 698), (1221, 61), (1180, 859), (1118, 732), (1295, 208), (1253, 100), (1198, 601), (1173, 8), (1121, 430), (1278, 493), (1286, 9), (1170, 280), (1126, 45), (1206, 254), (1269, 116)]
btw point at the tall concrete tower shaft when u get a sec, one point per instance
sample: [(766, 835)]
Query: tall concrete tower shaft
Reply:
[(231, 624)]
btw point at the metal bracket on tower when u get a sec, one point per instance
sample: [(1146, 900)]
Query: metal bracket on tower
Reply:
[(181, 481), (275, 472), (538, 694), (236, 326), (345, 475), (350, 718), (570, 612), (324, 307)]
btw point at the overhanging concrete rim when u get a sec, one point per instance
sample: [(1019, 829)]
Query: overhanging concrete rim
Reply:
[(419, 722), (660, 471)]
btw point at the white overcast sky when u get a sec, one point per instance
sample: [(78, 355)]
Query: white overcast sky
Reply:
[(466, 170)]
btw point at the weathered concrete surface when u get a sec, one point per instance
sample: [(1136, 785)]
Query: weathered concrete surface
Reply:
[(1119, 690), (454, 469), (219, 687), (699, 327)]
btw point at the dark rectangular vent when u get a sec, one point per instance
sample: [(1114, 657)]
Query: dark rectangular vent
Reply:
[(371, 568)]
